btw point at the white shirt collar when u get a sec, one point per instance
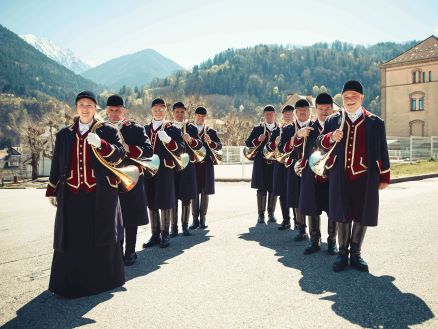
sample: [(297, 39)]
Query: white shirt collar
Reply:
[(321, 123), (303, 123), (84, 127), (200, 128), (270, 126), (156, 123), (355, 115), (178, 124)]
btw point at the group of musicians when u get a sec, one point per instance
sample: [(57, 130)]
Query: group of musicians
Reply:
[(96, 220), (351, 154)]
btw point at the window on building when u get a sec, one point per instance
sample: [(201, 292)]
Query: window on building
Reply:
[(424, 77), (414, 77), (413, 104), (421, 104), (430, 75)]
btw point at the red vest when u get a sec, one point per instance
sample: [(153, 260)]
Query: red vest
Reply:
[(356, 160), (81, 168)]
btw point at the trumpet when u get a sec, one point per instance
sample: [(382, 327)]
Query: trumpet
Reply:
[(317, 160), (200, 154), (251, 152), (182, 160), (217, 154), (128, 175)]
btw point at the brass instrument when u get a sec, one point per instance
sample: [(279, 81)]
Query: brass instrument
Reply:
[(150, 165), (297, 167), (217, 154), (271, 155), (127, 175), (181, 161), (317, 160), (251, 152), (200, 154)]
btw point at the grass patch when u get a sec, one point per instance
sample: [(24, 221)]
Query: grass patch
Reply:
[(415, 168)]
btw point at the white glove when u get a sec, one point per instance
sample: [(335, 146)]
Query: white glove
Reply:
[(164, 137), (52, 200), (94, 139)]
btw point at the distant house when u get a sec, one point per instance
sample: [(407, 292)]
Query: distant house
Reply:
[(11, 163), (293, 98), (409, 91)]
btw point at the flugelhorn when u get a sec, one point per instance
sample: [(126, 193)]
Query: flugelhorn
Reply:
[(217, 154), (297, 167), (251, 152), (270, 155), (200, 154), (127, 175), (182, 160), (317, 160), (150, 165)]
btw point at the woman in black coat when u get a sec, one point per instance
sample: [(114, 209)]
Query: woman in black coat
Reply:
[(87, 256)]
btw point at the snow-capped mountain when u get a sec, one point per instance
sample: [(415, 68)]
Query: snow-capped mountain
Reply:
[(65, 57)]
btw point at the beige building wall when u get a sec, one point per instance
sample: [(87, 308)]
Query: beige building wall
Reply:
[(397, 91)]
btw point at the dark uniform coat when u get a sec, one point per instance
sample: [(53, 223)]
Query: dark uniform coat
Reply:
[(205, 169), (161, 188), (185, 180), (313, 189), (280, 171), (262, 169), (134, 203), (377, 160)]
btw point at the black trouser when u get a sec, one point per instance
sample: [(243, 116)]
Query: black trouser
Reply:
[(130, 239)]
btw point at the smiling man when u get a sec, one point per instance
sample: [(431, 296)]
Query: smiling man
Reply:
[(359, 167)]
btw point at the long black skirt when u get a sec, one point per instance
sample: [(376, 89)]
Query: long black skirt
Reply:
[(84, 269)]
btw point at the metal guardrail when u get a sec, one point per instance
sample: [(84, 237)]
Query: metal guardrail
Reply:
[(400, 149)]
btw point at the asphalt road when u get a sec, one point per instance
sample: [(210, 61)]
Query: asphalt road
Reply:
[(235, 274)]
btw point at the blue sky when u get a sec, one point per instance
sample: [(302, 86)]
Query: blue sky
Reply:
[(191, 31)]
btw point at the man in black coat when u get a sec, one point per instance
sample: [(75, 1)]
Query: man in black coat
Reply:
[(280, 171), (289, 144), (137, 145), (314, 189), (87, 256), (263, 169), (168, 144), (359, 168), (204, 169), (185, 180)]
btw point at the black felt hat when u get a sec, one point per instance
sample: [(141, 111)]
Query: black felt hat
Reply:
[(115, 100), (179, 105), (86, 94), (354, 86), (324, 98), (302, 103), (268, 108), (287, 108), (158, 101), (201, 110)]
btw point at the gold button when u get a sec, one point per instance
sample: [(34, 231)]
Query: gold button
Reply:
[(80, 160), (348, 167), (348, 159), (80, 168), (82, 175)]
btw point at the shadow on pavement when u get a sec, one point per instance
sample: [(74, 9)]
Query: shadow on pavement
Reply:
[(48, 311), (360, 298)]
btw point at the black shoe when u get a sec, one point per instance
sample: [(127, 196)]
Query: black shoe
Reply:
[(261, 219), (186, 231), (271, 218), (341, 261), (174, 231), (312, 248), (302, 235), (165, 241), (331, 248), (203, 226), (296, 226), (194, 225), (285, 225), (358, 263), (153, 241), (130, 259)]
